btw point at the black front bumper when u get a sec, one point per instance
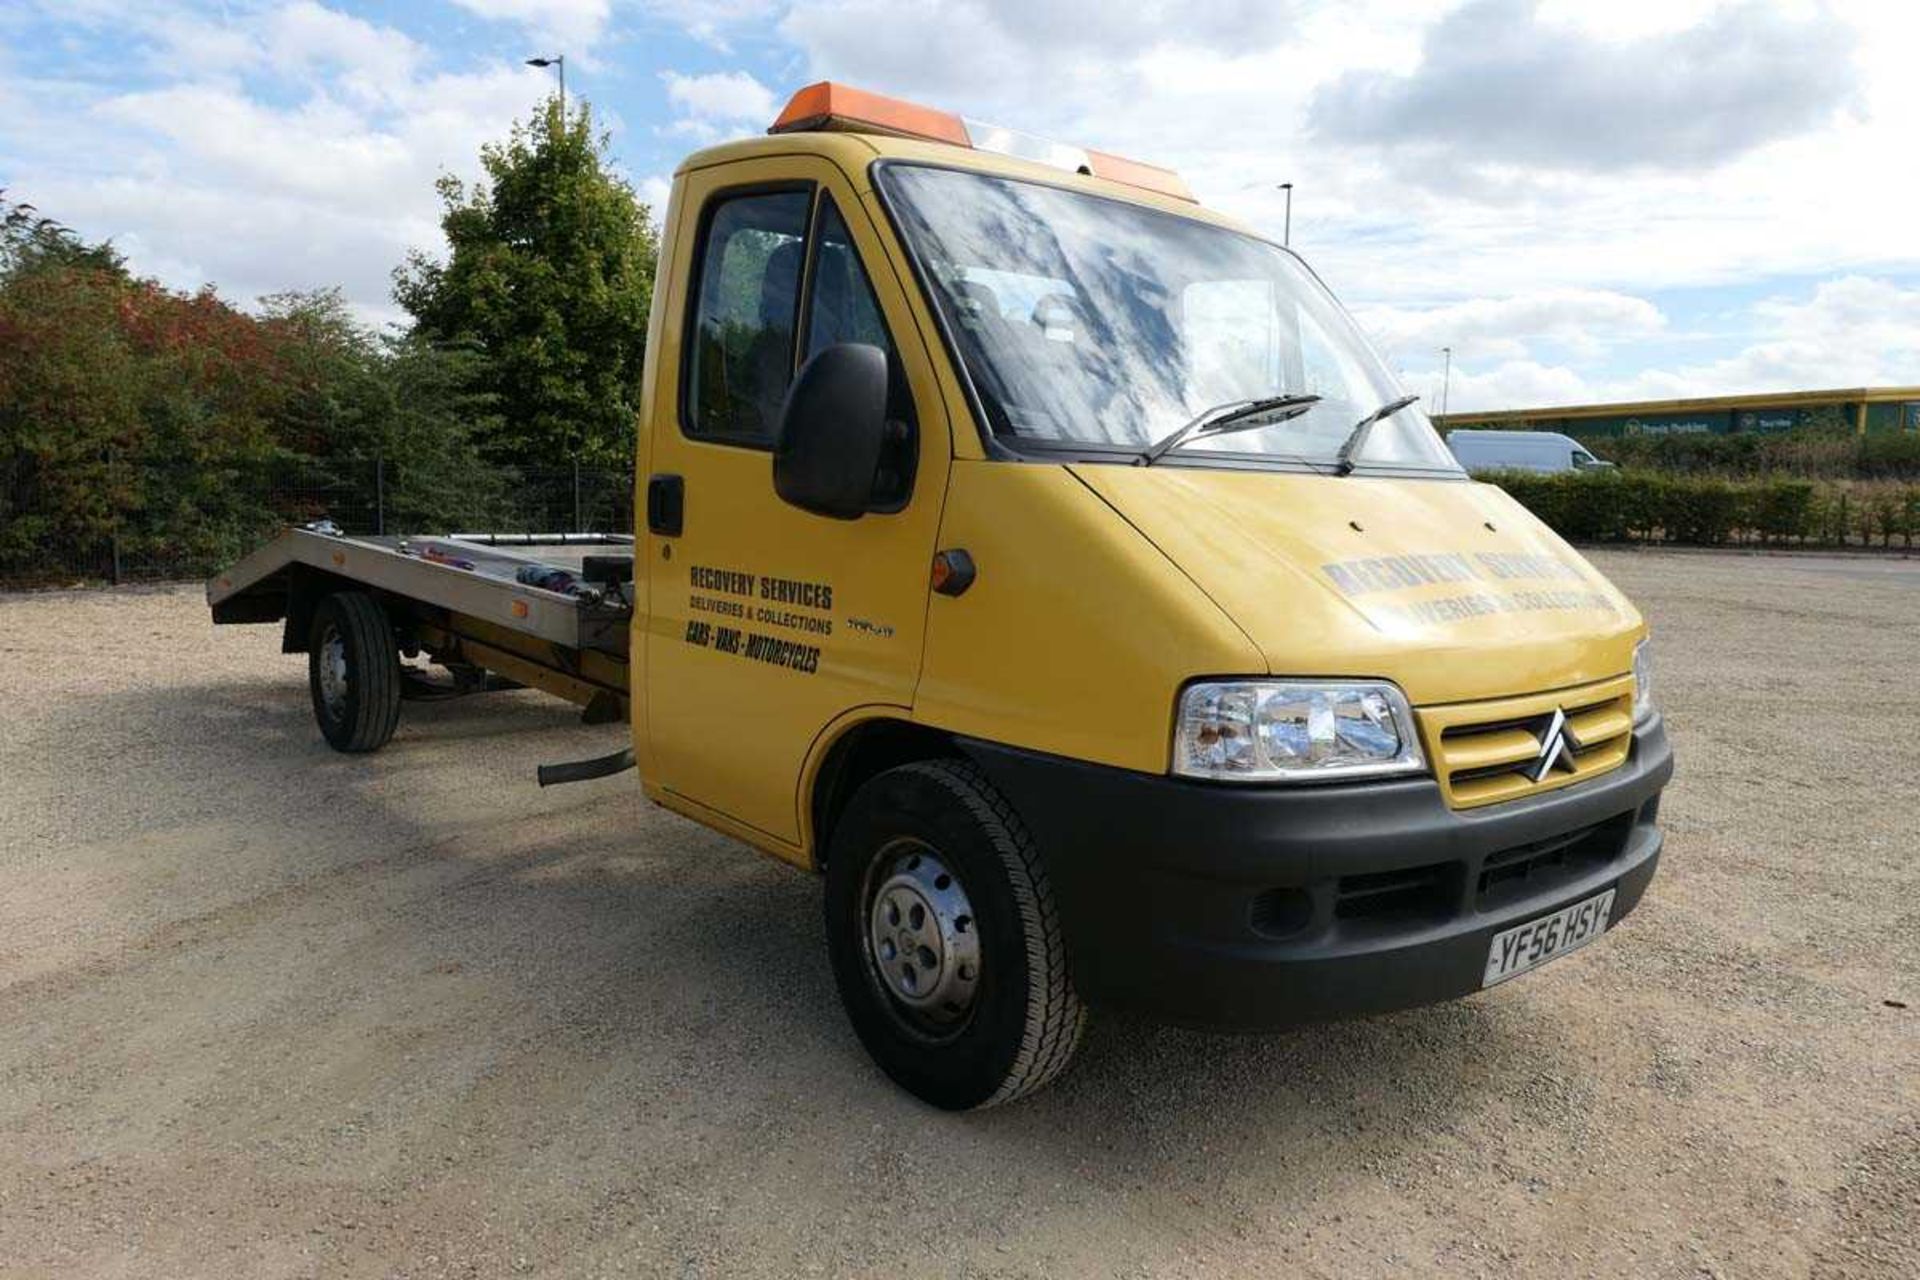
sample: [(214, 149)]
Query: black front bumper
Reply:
[(1215, 905)]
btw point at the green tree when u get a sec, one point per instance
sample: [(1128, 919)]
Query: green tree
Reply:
[(417, 407), (550, 274), (30, 242), (124, 406), (159, 432)]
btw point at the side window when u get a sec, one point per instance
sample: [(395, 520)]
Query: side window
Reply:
[(740, 355), (842, 308)]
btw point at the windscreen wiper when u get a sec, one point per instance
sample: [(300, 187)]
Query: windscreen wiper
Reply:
[(1357, 435), (1237, 415)]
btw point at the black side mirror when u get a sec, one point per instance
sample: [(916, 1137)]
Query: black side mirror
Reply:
[(839, 452)]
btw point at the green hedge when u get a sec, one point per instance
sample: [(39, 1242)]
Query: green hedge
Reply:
[(1701, 510), (1810, 451)]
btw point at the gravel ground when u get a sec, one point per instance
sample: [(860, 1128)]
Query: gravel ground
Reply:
[(266, 1010)]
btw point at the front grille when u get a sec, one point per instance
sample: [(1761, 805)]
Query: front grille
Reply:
[(1486, 752), (1530, 869), (1405, 893)]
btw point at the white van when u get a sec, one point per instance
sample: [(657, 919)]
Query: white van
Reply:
[(1520, 451)]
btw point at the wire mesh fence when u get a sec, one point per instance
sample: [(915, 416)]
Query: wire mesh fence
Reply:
[(117, 519), (154, 519)]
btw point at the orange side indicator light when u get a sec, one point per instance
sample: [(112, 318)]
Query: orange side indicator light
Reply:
[(339, 558), (828, 107), (953, 572), (518, 608)]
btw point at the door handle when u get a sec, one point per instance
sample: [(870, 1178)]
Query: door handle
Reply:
[(666, 505)]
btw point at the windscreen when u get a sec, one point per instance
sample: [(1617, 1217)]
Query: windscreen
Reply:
[(1094, 323)]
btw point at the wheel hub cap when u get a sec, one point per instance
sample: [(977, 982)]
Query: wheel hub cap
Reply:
[(333, 672), (923, 939)]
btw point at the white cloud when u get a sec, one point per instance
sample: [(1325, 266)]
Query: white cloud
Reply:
[(1511, 384), (200, 181), (1877, 314), (247, 245), (1228, 107), (269, 143), (724, 96), (1584, 320), (189, 42), (1497, 85), (654, 191), (979, 55), (871, 31), (320, 151), (298, 37), (1849, 332), (1853, 331), (306, 35), (565, 22), (716, 22)]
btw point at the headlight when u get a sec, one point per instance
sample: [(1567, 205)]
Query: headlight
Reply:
[(1289, 730), (1643, 680)]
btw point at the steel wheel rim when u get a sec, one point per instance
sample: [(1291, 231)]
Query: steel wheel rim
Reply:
[(333, 672), (921, 939)]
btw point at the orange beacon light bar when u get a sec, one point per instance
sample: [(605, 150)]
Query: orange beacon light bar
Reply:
[(830, 107)]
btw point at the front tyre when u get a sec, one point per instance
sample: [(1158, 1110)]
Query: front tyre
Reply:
[(353, 672), (945, 941)]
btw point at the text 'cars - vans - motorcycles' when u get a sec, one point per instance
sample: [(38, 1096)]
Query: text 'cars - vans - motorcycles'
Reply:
[(1049, 563)]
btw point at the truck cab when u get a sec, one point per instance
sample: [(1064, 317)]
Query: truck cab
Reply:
[(1286, 720)]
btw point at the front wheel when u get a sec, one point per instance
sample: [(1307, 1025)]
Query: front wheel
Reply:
[(945, 941), (353, 672)]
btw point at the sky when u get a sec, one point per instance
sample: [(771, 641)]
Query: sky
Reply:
[(1586, 202)]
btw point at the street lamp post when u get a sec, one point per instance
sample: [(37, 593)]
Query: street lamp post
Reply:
[(559, 61), (1446, 379), (1286, 231)]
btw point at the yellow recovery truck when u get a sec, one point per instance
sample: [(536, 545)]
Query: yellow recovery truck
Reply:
[(1049, 563)]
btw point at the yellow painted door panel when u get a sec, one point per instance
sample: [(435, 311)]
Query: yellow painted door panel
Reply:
[(1448, 587), (767, 622)]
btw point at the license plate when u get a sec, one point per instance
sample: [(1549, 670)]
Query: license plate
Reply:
[(1528, 946)]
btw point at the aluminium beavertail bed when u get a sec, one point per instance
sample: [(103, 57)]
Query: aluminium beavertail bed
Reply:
[(464, 601)]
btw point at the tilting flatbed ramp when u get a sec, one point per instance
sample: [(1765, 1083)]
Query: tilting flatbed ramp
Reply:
[(460, 599)]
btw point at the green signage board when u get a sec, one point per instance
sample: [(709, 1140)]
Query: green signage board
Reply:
[(1766, 421), (1834, 416), (1674, 424)]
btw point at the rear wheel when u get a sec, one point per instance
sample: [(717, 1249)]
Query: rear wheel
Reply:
[(945, 942), (353, 672)]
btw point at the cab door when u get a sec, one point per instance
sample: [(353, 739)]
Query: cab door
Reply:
[(768, 623)]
